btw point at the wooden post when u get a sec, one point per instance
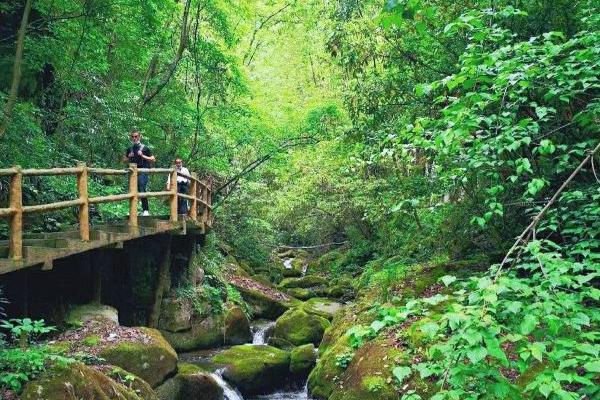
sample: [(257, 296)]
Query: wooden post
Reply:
[(173, 202), (16, 219), (133, 191), (194, 192), (161, 282), (209, 202), (84, 208)]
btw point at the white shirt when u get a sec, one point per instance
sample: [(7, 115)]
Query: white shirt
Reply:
[(180, 179)]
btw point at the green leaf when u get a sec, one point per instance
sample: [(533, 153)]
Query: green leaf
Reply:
[(528, 324), (448, 279), (401, 373), (592, 366), (430, 329), (476, 354)]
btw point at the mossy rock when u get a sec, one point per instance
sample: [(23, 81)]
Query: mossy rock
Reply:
[(153, 362), (78, 381), (368, 376), (299, 327), (291, 273), (78, 315), (263, 306), (303, 282), (263, 278), (205, 333), (303, 293), (255, 369), (280, 343), (246, 267), (191, 382), (175, 315), (322, 307), (236, 326), (303, 359)]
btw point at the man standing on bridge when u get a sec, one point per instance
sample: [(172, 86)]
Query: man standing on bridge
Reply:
[(140, 155), (183, 183)]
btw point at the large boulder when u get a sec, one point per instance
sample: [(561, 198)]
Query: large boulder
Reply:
[(77, 381), (175, 315), (303, 359), (204, 333), (303, 282), (265, 301), (299, 327), (79, 315), (191, 382), (153, 360), (255, 369), (323, 307), (236, 326)]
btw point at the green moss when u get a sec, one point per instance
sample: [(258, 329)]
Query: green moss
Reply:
[(374, 384), (191, 382), (78, 381), (204, 334), (236, 327), (153, 362), (303, 282), (299, 327), (322, 307), (302, 359), (255, 369), (91, 340)]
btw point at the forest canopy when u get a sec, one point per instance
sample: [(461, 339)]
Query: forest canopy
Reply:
[(415, 129)]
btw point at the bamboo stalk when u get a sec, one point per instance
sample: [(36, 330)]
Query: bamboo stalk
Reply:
[(84, 208), (15, 246)]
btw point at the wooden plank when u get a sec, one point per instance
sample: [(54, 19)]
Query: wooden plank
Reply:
[(108, 171), (157, 194), (52, 206), (8, 171), (174, 198), (6, 212), (51, 171), (111, 198), (155, 170)]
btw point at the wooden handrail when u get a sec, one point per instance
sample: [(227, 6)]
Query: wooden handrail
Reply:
[(200, 195)]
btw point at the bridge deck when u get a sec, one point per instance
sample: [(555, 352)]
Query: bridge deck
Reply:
[(42, 249)]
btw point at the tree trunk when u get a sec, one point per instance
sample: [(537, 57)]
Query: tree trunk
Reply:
[(16, 77)]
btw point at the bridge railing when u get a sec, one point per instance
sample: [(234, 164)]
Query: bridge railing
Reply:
[(200, 195)]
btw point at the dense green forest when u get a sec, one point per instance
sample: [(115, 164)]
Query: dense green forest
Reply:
[(378, 135)]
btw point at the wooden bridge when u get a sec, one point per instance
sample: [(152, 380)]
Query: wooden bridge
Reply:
[(26, 250)]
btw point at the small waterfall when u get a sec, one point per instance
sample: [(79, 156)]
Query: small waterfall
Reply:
[(287, 263), (229, 393), (260, 332), (293, 395)]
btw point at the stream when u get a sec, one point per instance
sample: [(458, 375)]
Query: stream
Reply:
[(260, 334)]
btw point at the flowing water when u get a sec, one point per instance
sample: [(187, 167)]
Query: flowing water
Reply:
[(229, 393), (260, 331), (287, 263)]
